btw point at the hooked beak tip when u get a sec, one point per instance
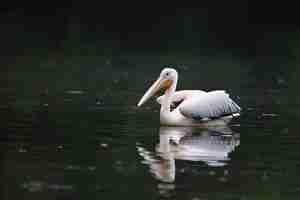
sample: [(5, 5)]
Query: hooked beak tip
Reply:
[(150, 92), (140, 103)]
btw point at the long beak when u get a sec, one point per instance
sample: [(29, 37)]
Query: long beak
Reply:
[(156, 86)]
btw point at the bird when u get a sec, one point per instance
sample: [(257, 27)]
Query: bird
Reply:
[(190, 107)]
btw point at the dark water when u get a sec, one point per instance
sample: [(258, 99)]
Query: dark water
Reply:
[(76, 133)]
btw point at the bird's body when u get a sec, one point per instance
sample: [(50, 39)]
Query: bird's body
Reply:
[(190, 107), (180, 96)]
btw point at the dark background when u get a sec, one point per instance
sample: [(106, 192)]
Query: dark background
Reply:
[(261, 33), (241, 28), (72, 72)]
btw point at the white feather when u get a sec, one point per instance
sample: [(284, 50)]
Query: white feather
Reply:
[(212, 104), (181, 95)]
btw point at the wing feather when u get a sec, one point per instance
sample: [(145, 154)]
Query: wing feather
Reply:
[(212, 104)]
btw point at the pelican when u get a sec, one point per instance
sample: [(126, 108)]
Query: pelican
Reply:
[(190, 107)]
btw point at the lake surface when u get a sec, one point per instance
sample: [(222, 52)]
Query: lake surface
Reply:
[(76, 133)]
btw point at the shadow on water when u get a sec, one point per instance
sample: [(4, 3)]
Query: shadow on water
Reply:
[(205, 146)]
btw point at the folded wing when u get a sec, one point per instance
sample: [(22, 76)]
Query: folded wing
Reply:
[(211, 105)]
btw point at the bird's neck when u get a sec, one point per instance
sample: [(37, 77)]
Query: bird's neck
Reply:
[(166, 103)]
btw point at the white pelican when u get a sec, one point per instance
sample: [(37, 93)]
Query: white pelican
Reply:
[(196, 107)]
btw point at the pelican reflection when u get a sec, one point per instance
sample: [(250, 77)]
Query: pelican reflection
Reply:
[(211, 146)]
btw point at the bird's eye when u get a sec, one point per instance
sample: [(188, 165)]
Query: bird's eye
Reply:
[(167, 74)]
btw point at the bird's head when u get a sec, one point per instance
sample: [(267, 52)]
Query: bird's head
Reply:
[(166, 79)]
